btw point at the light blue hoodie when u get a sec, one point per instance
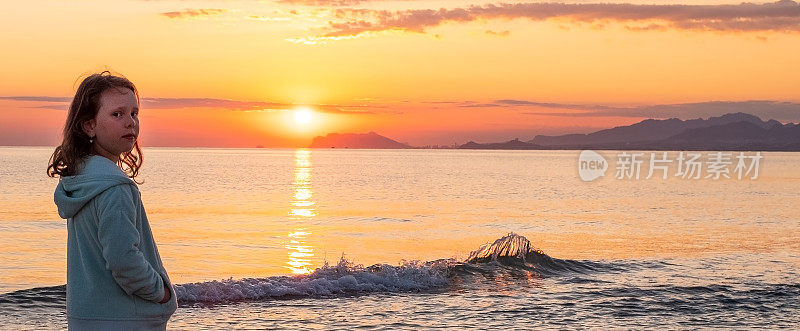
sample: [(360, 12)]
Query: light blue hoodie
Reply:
[(114, 271)]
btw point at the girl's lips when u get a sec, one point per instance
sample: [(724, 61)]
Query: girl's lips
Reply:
[(130, 136)]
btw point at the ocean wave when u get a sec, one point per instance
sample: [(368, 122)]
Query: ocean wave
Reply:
[(517, 252), (511, 256), (49, 296), (341, 279)]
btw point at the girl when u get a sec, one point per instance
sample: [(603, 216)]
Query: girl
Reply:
[(115, 278)]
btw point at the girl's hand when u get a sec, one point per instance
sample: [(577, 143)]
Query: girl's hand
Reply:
[(167, 294)]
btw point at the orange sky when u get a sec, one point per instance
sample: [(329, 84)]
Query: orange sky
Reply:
[(230, 73)]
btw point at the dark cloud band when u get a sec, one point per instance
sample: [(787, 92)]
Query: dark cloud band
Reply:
[(193, 13), (783, 15), (62, 103)]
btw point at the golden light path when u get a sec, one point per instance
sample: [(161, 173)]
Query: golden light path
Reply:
[(300, 252)]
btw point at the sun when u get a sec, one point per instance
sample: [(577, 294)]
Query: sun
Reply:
[(303, 116)]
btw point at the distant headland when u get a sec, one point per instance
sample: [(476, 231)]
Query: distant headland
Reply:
[(356, 140)]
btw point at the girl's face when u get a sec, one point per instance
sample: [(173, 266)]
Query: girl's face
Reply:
[(116, 126)]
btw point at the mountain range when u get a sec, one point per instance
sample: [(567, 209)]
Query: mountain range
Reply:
[(734, 131)]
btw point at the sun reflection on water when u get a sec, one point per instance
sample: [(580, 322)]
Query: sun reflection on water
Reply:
[(300, 251)]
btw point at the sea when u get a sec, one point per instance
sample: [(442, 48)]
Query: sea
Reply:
[(435, 239)]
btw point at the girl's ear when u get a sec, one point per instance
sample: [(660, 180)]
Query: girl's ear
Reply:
[(88, 127)]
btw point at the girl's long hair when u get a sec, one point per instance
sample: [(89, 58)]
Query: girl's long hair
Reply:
[(75, 145)]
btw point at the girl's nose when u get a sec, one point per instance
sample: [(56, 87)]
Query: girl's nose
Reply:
[(131, 122)]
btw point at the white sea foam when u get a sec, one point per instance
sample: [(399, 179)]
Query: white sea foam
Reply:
[(341, 279)]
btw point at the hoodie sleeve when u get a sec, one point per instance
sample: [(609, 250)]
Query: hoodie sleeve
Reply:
[(119, 238)]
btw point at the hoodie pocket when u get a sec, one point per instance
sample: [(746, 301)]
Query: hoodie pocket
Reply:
[(171, 305), (154, 310)]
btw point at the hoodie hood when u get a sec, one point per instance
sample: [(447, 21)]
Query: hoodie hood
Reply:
[(96, 175)]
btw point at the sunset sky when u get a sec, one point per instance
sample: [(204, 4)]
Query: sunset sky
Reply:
[(233, 73)]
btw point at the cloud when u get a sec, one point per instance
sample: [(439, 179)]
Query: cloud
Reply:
[(783, 15), (504, 33), (779, 110), (514, 103), (784, 111), (36, 98), (267, 18), (62, 103), (193, 13), (174, 103), (322, 3)]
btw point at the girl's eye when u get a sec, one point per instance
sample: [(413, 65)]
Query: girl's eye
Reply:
[(135, 114), (116, 114)]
